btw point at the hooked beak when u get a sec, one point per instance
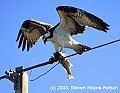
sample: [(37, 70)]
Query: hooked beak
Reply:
[(44, 40)]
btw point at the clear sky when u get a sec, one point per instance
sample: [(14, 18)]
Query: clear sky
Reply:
[(100, 67)]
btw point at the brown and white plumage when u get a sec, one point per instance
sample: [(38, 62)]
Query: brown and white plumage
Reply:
[(79, 19), (73, 21), (30, 32)]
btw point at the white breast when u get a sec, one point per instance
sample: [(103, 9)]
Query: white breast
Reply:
[(61, 37)]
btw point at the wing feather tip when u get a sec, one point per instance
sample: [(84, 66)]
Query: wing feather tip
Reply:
[(28, 49), (17, 40), (19, 46), (22, 50), (19, 34), (105, 27)]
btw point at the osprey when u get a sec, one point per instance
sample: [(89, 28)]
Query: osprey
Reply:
[(73, 21)]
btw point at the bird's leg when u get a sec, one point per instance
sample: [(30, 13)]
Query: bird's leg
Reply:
[(61, 49), (57, 55), (81, 48), (62, 46)]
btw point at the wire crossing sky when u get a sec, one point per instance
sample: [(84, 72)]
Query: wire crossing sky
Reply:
[(97, 70), (53, 59)]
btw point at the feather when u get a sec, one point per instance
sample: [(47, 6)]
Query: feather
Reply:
[(19, 35), (30, 32), (24, 44), (82, 17), (20, 42)]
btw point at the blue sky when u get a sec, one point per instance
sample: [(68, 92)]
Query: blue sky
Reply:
[(99, 67)]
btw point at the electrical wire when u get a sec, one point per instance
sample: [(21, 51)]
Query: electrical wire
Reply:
[(71, 56), (96, 47), (43, 73), (52, 60)]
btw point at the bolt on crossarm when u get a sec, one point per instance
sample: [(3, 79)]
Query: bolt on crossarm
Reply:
[(20, 80)]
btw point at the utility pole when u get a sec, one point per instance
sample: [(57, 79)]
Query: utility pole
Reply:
[(20, 80)]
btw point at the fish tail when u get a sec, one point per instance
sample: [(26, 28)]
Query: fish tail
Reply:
[(70, 76)]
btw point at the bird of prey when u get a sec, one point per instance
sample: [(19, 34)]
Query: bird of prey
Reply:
[(73, 21)]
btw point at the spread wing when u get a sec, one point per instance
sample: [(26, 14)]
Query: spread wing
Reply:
[(78, 19), (30, 32)]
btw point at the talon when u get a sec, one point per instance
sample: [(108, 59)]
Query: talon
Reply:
[(52, 60), (57, 55), (82, 48)]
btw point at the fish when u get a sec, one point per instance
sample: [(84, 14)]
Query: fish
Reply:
[(65, 64)]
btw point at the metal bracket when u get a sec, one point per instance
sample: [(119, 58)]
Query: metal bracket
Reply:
[(13, 77)]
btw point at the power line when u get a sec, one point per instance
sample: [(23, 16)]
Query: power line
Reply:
[(52, 60), (71, 56), (42, 74), (96, 47)]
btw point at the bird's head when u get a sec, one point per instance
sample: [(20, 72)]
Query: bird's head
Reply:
[(45, 37)]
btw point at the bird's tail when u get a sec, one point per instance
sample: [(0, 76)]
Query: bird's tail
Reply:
[(81, 48)]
